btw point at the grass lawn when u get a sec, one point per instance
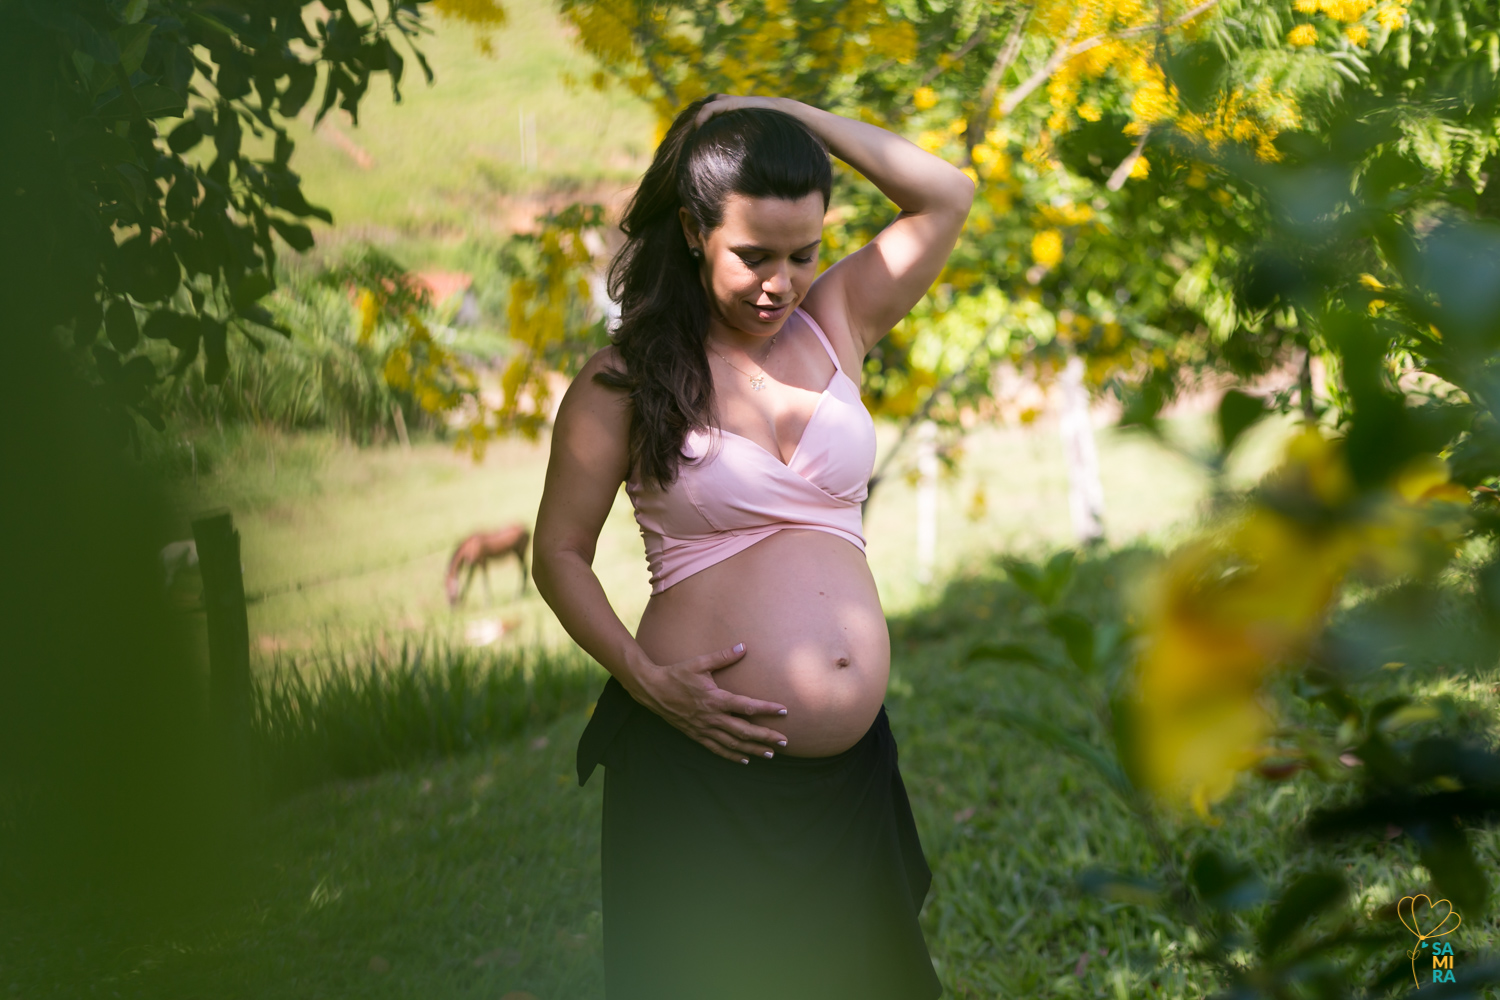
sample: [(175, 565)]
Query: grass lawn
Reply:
[(478, 876)]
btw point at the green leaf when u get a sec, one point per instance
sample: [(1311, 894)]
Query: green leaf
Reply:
[(133, 40), (155, 100), (1445, 850), (179, 200), (215, 353), (231, 80), (160, 102), (1303, 901), (1077, 635), (185, 136), (261, 316), (1238, 412), (298, 236), (255, 286), (1118, 888), (121, 327), (134, 11), (227, 133), (301, 79), (1223, 884), (1045, 584), (177, 329), (101, 147), (146, 270)]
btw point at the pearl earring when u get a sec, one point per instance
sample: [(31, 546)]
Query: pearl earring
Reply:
[(696, 253)]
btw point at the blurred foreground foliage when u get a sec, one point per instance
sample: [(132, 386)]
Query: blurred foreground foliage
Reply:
[(1236, 656), (132, 190)]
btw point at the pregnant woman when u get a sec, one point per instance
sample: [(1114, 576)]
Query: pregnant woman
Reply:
[(757, 837)]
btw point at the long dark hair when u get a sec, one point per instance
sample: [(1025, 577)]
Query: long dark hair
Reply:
[(664, 310)]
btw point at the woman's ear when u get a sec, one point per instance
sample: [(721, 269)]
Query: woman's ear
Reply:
[(690, 231)]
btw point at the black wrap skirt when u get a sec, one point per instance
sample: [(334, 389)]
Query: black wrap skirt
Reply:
[(789, 878)]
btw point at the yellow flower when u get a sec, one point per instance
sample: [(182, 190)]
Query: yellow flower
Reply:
[(932, 141), (1089, 112), (1140, 168), (1371, 282), (1357, 34), (924, 98), (1047, 248), (1421, 477), (1303, 35), (1390, 18), (1152, 102), (1306, 6), (1376, 305)]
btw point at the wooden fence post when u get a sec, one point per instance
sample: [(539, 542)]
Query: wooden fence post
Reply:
[(228, 640)]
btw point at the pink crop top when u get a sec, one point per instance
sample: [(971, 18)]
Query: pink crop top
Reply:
[(731, 492)]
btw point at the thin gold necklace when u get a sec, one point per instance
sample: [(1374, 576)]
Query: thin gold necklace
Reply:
[(757, 382)]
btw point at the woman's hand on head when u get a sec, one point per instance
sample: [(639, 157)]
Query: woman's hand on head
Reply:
[(686, 695), (729, 102)]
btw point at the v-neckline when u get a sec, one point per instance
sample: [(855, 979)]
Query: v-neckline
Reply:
[(817, 407)]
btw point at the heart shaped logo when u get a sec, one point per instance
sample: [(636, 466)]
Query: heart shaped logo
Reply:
[(1416, 928)]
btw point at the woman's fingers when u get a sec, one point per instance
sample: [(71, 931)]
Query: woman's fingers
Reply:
[(741, 730), (723, 751), (709, 662), (740, 705), (710, 109)]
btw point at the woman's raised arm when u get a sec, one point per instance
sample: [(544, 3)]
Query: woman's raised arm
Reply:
[(589, 460), (868, 292)]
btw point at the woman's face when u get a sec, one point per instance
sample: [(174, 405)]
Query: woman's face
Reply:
[(758, 265)]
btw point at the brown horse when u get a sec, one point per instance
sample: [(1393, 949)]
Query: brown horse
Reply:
[(476, 551)]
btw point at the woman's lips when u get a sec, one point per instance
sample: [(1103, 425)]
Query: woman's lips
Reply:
[(765, 312)]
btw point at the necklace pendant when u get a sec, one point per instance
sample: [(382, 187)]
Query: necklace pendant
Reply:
[(758, 383)]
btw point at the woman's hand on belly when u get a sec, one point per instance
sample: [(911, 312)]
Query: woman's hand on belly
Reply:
[(686, 695)]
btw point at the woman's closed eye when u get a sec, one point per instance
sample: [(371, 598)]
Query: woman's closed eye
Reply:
[(757, 261)]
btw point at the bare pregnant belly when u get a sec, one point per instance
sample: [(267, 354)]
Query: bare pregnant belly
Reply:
[(805, 605)]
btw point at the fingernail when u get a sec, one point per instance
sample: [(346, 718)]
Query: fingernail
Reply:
[(781, 743), (744, 760), (739, 647), (782, 712), (769, 754)]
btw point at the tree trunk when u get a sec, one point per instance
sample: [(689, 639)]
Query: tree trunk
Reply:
[(1085, 493)]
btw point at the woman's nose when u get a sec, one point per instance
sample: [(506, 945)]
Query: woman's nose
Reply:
[(779, 283)]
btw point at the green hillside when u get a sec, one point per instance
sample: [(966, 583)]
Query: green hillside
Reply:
[(446, 162)]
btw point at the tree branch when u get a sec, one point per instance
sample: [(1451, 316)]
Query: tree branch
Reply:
[(1062, 54), (1122, 172), (977, 36), (1065, 51), (1004, 59)]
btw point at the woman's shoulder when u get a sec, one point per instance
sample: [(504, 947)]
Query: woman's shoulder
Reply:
[(607, 360), (593, 406)]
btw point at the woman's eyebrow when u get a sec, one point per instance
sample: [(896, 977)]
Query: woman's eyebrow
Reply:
[(752, 248)]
